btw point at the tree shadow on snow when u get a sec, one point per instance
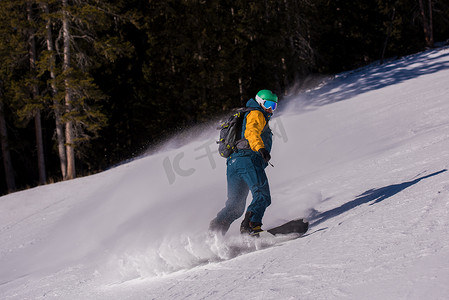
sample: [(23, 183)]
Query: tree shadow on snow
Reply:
[(372, 77), (373, 195)]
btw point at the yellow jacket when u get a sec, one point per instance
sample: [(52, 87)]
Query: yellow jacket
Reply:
[(255, 123)]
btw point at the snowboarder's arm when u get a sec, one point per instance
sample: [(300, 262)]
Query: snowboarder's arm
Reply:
[(255, 123)]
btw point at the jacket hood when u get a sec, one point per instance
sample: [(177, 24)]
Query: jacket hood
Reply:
[(253, 104)]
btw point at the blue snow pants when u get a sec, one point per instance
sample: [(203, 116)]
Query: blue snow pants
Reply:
[(245, 173)]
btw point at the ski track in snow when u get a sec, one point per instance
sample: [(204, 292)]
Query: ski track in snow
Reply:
[(365, 156)]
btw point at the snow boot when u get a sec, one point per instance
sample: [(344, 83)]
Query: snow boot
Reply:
[(255, 229), (218, 227), (250, 228), (244, 226)]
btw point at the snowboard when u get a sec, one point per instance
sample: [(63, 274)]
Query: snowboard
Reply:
[(268, 238), (299, 226)]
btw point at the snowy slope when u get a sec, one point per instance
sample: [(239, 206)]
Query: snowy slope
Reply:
[(365, 156)]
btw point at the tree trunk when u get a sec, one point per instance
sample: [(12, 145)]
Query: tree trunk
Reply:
[(389, 30), (40, 148), (430, 24), (60, 139), (427, 23), (69, 130), (35, 94), (240, 79), (7, 163)]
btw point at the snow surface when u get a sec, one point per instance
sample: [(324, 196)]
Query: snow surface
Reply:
[(365, 156)]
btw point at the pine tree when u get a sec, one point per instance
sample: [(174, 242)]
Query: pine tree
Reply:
[(73, 88), (48, 63), (11, 52), (34, 89), (24, 90)]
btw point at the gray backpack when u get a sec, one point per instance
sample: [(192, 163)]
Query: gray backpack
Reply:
[(231, 131)]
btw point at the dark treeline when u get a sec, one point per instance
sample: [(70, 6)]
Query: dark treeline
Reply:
[(86, 84)]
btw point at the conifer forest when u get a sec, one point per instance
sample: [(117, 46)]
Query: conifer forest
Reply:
[(87, 84)]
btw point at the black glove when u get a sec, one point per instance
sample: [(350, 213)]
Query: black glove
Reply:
[(265, 155)]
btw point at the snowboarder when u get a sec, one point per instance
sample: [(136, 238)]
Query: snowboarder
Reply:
[(246, 169)]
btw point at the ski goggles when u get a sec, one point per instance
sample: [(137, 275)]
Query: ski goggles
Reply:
[(270, 104)]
